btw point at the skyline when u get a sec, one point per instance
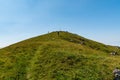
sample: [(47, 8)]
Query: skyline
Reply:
[(93, 19)]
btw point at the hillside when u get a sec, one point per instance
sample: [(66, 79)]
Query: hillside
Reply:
[(58, 56)]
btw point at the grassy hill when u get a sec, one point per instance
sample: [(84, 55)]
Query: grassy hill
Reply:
[(58, 56)]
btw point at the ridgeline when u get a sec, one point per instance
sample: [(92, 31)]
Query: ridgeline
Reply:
[(58, 55)]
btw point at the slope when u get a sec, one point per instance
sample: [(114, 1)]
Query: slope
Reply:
[(53, 56)]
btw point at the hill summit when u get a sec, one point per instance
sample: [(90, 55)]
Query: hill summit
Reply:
[(58, 55)]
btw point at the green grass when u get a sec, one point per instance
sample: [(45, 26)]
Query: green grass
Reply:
[(52, 57)]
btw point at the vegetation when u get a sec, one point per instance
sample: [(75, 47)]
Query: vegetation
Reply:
[(53, 56)]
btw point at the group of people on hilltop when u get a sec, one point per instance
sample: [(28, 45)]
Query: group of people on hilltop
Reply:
[(116, 73)]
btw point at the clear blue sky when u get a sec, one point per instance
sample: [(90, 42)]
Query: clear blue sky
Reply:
[(94, 19)]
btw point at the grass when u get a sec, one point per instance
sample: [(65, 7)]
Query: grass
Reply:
[(51, 56)]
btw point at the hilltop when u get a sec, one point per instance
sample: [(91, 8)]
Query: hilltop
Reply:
[(58, 55)]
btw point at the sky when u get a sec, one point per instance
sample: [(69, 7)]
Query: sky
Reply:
[(98, 20)]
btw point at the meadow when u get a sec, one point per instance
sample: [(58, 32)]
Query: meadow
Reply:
[(58, 56)]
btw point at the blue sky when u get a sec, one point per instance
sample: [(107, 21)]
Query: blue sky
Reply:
[(98, 20)]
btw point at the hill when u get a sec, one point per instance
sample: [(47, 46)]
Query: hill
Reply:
[(58, 55)]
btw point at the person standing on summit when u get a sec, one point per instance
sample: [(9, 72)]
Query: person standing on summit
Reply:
[(58, 33)]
